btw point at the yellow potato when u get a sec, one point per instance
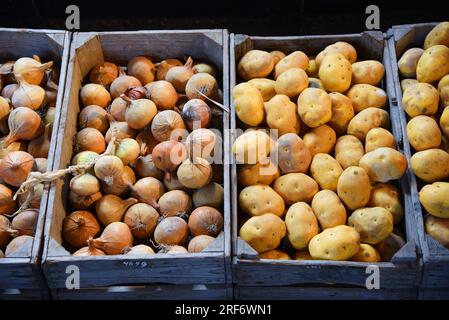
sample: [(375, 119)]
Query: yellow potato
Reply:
[(265, 87), (260, 199), (255, 64), (373, 224), (315, 83), (296, 187), (367, 119), (434, 198), (326, 171), (443, 90), (328, 209), (277, 56), (438, 229), (335, 73), (303, 255), (291, 82), (341, 47), (444, 122), (263, 233), (423, 133), (320, 139), (420, 98), (301, 225), (377, 138), (293, 154), (296, 59), (259, 173), (408, 62), (342, 112), (366, 253), (314, 107), (431, 165), (365, 96), (405, 83), (281, 115), (438, 35), (387, 196), (275, 255), (354, 187), (368, 72), (248, 103), (337, 243), (312, 68), (433, 64), (384, 164), (252, 147), (348, 151), (388, 247)]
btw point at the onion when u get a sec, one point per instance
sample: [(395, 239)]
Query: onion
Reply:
[(201, 143), (89, 251), (195, 174), (24, 124), (40, 146), (104, 73), (78, 227), (2, 255), (179, 75), (6, 232), (7, 203), (116, 237), (140, 250), (7, 75), (164, 66), (118, 108), (49, 115), (40, 165), (175, 203), (168, 155), (30, 69), (199, 243), (8, 90), (136, 93), (15, 167), (94, 117), (15, 146), (4, 114), (145, 167), (203, 67), (85, 184), (162, 93), (139, 113), (171, 231), (174, 184), (83, 202), (205, 220), (123, 83), (196, 114), (168, 125), (142, 68), (176, 250), (84, 158), (204, 83), (50, 98), (141, 219), (110, 208), (127, 150), (25, 222), (17, 243), (107, 168), (146, 141), (121, 186), (148, 190), (209, 195), (28, 96), (35, 201), (90, 139), (122, 131), (96, 94), (129, 172)]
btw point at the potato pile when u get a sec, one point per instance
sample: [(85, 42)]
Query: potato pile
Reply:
[(324, 186), (425, 99), (148, 181), (27, 108)]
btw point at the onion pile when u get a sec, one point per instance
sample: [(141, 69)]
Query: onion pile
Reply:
[(137, 199)]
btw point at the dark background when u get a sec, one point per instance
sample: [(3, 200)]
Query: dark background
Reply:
[(262, 17)]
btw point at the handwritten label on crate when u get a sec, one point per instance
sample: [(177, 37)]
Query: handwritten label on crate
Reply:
[(136, 264)]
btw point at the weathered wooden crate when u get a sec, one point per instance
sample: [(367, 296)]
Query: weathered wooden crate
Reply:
[(290, 279), (434, 283), (21, 276), (199, 275)]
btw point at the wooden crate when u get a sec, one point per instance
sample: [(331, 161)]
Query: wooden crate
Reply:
[(21, 275), (434, 282), (173, 273), (298, 279)]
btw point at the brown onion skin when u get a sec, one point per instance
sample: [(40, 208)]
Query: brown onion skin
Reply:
[(115, 239), (162, 93), (171, 231), (35, 201), (136, 93), (89, 251), (25, 222), (146, 141), (90, 139), (104, 73), (118, 109), (24, 124), (179, 76), (142, 68), (17, 243), (204, 83), (141, 219), (124, 131), (15, 167), (168, 125), (94, 117), (205, 221), (7, 204), (122, 83), (168, 155), (199, 243), (83, 203), (196, 114), (40, 146), (148, 190), (175, 203), (78, 227), (6, 231), (145, 167), (164, 66)]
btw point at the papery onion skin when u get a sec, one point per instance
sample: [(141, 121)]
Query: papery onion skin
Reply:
[(17, 243), (90, 139), (146, 141), (196, 114), (104, 73), (139, 113), (6, 231), (83, 203), (15, 167), (35, 201), (178, 76), (209, 195), (25, 222), (85, 184), (89, 251), (122, 83), (176, 250), (171, 231), (168, 125), (7, 203), (111, 208), (205, 221), (96, 94), (148, 190), (194, 174), (78, 227), (142, 68), (127, 150), (24, 124), (118, 108), (40, 146), (123, 130), (28, 96), (30, 69), (94, 117), (140, 250), (175, 203), (108, 167), (145, 167), (164, 66), (141, 219), (199, 243), (116, 237), (168, 155), (204, 83), (162, 93)]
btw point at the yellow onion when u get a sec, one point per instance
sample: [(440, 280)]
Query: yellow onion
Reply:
[(127, 150), (7, 203), (162, 93), (78, 227), (110, 208), (164, 66), (203, 67), (94, 117), (2, 255), (141, 219), (90, 139), (30, 69), (209, 195), (96, 94), (24, 124), (195, 174), (139, 113), (4, 114), (49, 115), (50, 98), (148, 190), (15, 146), (15, 167), (136, 93), (17, 244), (141, 68), (121, 186), (25, 222), (168, 155), (146, 141), (40, 146), (89, 251), (174, 184), (85, 184), (116, 237), (175, 250), (205, 220), (9, 90), (118, 108), (40, 165), (107, 168), (201, 143), (122, 131), (145, 167), (175, 203), (85, 158), (199, 243), (171, 231), (7, 75), (140, 250), (128, 171), (122, 83), (168, 125), (196, 114), (179, 75), (35, 200), (203, 82), (6, 232), (103, 73), (28, 96), (83, 202)]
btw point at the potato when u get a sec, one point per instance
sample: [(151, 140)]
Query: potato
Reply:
[(281, 115), (384, 164), (260, 199), (277, 56), (255, 64), (354, 187), (303, 255), (251, 147), (326, 171), (365, 96), (348, 151), (337, 243), (293, 154), (335, 73), (433, 64), (443, 90), (431, 165), (423, 133), (438, 229), (259, 173), (248, 103), (373, 224), (342, 112), (434, 198), (368, 72), (315, 83), (444, 122), (387, 196), (377, 138), (296, 59), (314, 107), (291, 82), (389, 246), (328, 209), (263, 233), (275, 255), (265, 87), (341, 47), (408, 62), (420, 98), (296, 187), (367, 119), (405, 83), (366, 253), (320, 139), (438, 35), (301, 224), (312, 68)]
